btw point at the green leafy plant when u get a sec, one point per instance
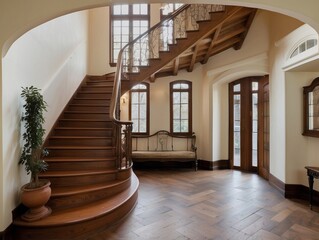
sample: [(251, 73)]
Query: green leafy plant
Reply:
[(33, 119)]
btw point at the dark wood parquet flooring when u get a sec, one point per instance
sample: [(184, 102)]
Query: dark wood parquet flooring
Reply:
[(182, 204)]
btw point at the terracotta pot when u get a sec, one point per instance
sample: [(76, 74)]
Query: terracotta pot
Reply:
[(35, 199)]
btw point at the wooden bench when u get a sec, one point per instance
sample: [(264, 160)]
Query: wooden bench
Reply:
[(164, 147)]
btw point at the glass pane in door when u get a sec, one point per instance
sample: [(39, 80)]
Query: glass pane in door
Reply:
[(237, 130), (254, 129)]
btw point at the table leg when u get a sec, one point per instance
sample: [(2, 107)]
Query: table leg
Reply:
[(310, 179)]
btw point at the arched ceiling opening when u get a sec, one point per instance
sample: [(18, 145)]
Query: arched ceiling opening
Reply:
[(18, 17)]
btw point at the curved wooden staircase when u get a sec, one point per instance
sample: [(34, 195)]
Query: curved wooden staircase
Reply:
[(92, 183), (89, 192)]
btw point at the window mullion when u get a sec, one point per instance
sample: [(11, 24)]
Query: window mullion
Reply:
[(180, 111)]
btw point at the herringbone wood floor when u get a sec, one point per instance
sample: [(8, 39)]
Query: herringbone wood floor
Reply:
[(223, 204)]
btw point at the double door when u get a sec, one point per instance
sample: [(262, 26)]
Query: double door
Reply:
[(249, 125)]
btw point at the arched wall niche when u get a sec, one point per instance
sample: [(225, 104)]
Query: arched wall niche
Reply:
[(218, 85)]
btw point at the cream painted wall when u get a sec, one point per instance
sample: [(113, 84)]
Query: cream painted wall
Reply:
[(281, 25), (52, 57), (277, 114), (206, 118), (301, 150), (220, 121), (99, 42)]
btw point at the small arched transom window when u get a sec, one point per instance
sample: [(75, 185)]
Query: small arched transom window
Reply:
[(304, 46)]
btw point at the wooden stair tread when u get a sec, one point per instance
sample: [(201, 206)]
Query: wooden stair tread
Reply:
[(91, 98), (83, 128), (86, 112), (94, 86), (76, 173), (80, 147), (87, 212), (79, 137), (90, 104), (66, 191), (106, 79), (84, 120), (76, 159), (96, 92)]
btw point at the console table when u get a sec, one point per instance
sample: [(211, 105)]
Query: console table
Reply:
[(312, 172)]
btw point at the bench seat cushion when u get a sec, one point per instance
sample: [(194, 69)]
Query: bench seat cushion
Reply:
[(163, 155)]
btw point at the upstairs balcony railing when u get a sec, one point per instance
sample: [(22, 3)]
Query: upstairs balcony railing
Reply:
[(138, 54)]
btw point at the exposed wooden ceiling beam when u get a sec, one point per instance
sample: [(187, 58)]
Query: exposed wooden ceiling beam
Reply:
[(240, 15), (231, 34), (192, 63), (212, 43), (225, 45), (176, 66)]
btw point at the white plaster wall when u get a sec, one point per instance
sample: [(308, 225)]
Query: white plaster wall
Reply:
[(301, 150), (277, 103), (220, 121), (99, 42), (52, 57), (206, 118)]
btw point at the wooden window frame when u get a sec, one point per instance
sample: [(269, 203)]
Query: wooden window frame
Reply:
[(190, 103), (130, 17), (147, 90)]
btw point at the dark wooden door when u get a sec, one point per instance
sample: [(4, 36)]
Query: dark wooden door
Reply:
[(247, 123), (263, 138)]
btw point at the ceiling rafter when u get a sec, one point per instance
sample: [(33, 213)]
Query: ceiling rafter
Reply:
[(224, 37), (176, 66), (212, 43), (192, 63)]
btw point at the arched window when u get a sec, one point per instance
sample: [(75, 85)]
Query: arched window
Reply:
[(139, 108), (181, 107), (303, 47)]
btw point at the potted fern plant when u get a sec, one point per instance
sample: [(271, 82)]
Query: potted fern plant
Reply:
[(36, 193)]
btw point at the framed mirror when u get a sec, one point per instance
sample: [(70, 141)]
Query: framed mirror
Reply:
[(311, 109)]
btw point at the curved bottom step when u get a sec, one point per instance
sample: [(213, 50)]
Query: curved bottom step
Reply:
[(80, 222)]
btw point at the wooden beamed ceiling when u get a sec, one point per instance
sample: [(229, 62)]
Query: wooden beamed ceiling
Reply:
[(230, 34)]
